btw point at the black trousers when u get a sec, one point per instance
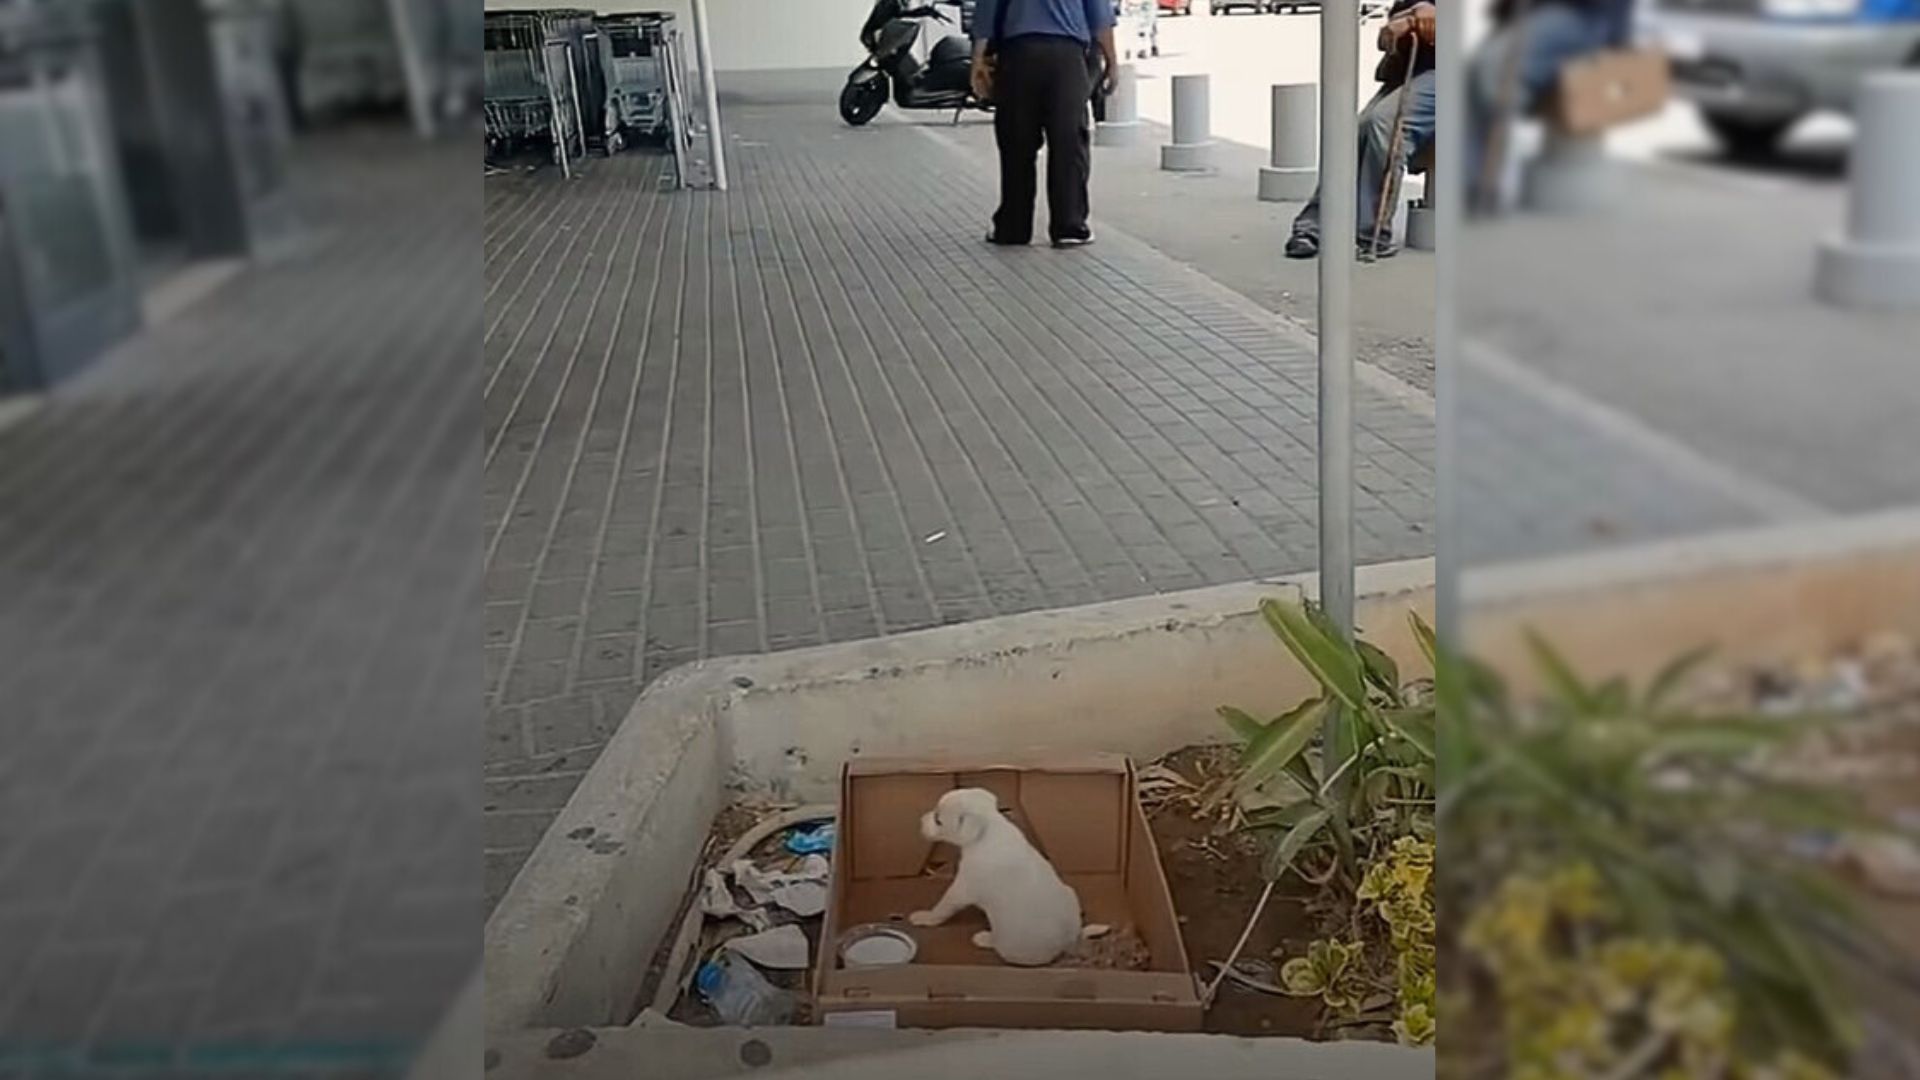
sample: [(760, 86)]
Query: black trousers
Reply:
[(1040, 94)]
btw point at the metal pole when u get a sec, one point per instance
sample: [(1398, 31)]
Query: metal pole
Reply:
[(573, 91), (1339, 209), (716, 151), (553, 105), (414, 64), (1448, 205)]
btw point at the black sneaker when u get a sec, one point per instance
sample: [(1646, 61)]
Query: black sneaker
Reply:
[(1303, 246), (1388, 249), (1073, 241), (998, 242)]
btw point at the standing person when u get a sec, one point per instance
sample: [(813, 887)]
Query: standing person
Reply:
[(1035, 60), (1407, 22)]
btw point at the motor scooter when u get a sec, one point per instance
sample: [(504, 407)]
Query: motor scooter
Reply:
[(891, 70)]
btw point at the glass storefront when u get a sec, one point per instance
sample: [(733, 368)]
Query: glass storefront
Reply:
[(244, 34), (63, 230)]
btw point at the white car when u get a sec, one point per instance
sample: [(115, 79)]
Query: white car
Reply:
[(1755, 68)]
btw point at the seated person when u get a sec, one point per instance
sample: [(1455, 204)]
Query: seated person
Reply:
[(1407, 21), (1548, 34)]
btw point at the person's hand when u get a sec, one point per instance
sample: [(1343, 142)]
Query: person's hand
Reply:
[(982, 78), (1395, 29), (1425, 22), (1109, 79)]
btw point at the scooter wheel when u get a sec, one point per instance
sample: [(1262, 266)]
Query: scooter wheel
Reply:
[(861, 102)]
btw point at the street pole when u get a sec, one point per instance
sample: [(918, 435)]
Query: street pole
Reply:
[(415, 65), (1339, 227), (1448, 210), (716, 152), (1339, 210)]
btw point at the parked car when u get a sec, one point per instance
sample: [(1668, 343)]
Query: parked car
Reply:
[(1755, 68), (1175, 7), (1228, 7)]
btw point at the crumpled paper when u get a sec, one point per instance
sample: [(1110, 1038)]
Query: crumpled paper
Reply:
[(803, 891), (716, 902), (784, 948), (1889, 864)]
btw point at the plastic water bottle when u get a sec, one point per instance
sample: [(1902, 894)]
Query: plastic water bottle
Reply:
[(740, 994)]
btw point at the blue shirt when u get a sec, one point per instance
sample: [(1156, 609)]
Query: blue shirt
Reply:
[(1077, 19)]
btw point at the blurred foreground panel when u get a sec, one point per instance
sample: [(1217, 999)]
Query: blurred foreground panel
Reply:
[(240, 653), (1683, 836)]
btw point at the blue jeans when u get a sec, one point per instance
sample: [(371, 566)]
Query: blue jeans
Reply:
[(1554, 34), (1376, 142)]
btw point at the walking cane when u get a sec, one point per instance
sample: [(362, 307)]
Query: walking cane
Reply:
[(1389, 184), (1486, 188)]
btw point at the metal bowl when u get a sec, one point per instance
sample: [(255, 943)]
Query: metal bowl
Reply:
[(877, 945)]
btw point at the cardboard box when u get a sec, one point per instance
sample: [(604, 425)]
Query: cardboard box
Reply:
[(1610, 88), (1084, 815)]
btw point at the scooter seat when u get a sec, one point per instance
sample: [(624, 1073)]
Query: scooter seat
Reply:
[(951, 50)]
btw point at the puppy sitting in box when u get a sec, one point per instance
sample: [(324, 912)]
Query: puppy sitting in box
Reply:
[(1032, 916)]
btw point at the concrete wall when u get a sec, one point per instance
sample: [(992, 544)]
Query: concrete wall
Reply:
[(1765, 596), (852, 1054), (753, 35), (569, 943), (1142, 677), (569, 940)]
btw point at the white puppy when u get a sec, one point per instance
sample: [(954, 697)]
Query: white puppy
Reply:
[(1032, 915)]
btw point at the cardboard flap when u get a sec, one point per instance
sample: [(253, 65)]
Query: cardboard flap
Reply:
[(1077, 820), (889, 807), (989, 983), (1075, 816)]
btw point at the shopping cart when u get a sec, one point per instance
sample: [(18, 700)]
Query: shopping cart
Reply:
[(543, 83), (633, 54)]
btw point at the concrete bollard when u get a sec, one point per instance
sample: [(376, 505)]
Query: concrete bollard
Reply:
[(1122, 126), (1876, 264), (1192, 147), (1294, 171), (1570, 175)]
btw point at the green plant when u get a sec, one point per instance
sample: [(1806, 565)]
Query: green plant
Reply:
[(1348, 774), (1580, 998), (1682, 823), (1329, 971), (1371, 782), (1398, 889)]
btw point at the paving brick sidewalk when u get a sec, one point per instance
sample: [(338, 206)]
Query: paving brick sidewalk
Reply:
[(1690, 306), (817, 408), (1540, 473), (241, 658)]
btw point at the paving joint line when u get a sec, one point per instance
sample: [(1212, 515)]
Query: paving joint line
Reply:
[(1763, 497)]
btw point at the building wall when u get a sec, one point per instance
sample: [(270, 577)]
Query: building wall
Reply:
[(753, 35)]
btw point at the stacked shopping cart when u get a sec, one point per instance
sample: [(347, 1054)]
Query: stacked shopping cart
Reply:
[(647, 78), (569, 83), (539, 80)]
